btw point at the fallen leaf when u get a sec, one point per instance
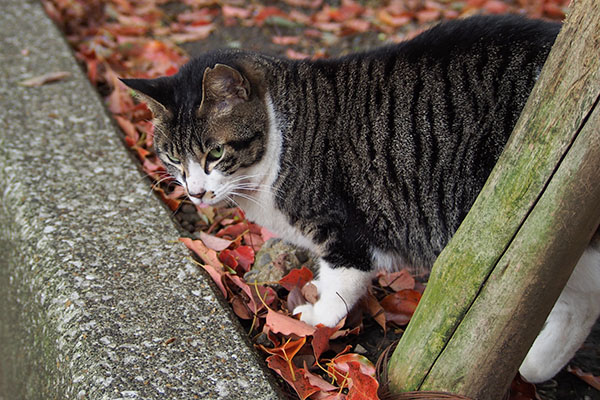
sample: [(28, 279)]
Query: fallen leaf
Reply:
[(235, 12), (425, 16), (217, 276), (395, 21), (242, 256), (128, 128), (296, 55), (339, 365), (213, 242), (329, 396), (295, 377), (45, 78), (286, 350), (397, 280), (255, 304), (267, 12), (305, 3), (298, 277), (321, 337), (234, 230), (207, 255), (375, 310), (317, 381), (522, 390), (400, 306), (280, 323), (173, 204), (295, 299), (357, 25), (285, 40), (240, 307), (363, 385), (193, 33), (496, 7), (590, 379)]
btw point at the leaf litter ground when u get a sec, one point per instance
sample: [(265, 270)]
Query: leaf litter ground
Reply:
[(150, 38)]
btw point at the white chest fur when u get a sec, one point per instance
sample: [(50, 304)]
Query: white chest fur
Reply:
[(261, 208)]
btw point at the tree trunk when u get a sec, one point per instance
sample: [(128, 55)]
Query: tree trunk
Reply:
[(493, 286)]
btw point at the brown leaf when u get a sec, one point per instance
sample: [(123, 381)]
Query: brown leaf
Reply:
[(280, 323), (193, 33), (287, 350), (45, 78), (375, 310), (217, 276), (400, 306), (317, 381), (285, 40), (294, 376), (425, 16), (592, 380), (395, 21), (296, 55), (321, 337), (496, 7), (522, 390), (235, 12), (207, 255), (397, 280), (298, 277), (255, 304), (213, 242), (364, 386), (295, 299)]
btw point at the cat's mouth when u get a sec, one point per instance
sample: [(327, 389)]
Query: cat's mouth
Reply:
[(204, 198), (210, 199)]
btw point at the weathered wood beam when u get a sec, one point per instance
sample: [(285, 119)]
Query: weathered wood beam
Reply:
[(495, 283)]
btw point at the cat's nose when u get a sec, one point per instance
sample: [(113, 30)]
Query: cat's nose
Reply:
[(198, 195)]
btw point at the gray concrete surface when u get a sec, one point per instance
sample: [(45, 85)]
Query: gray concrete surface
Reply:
[(98, 300)]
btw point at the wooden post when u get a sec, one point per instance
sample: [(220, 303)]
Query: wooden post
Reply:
[(493, 286)]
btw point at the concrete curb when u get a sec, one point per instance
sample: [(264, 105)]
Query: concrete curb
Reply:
[(98, 301)]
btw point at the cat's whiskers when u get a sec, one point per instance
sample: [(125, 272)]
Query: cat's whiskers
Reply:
[(156, 184), (229, 198), (244, 177), (250, 198), (263, 188)]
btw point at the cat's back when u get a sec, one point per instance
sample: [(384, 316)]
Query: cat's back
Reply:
[(417, 125), (466, 35)]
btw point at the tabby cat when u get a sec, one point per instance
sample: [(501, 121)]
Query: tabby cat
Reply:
[(370, 160)]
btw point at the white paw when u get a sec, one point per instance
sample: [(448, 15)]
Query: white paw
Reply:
[(320, 313)]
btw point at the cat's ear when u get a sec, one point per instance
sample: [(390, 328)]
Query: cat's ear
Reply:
[(224, 87), (153, 92)]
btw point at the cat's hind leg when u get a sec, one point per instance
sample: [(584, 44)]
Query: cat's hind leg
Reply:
[(339, 290), (569, 322)]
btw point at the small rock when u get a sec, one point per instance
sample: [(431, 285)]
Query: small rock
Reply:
[(275, 259), (188, 209)]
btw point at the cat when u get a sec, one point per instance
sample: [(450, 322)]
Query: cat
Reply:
[(370, 160)]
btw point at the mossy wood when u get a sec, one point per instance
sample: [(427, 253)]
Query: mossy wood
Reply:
[(493, 286)]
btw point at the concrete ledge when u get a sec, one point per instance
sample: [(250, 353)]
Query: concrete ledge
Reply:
[(97, 299)]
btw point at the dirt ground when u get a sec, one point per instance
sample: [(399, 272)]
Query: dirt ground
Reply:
[(565, 386)]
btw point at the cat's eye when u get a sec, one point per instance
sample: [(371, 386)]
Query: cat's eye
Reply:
[(216, 153), (173, 159)]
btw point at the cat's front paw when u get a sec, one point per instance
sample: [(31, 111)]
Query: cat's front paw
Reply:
[(320, 313)]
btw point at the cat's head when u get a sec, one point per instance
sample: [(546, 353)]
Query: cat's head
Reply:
[(211, 128)]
